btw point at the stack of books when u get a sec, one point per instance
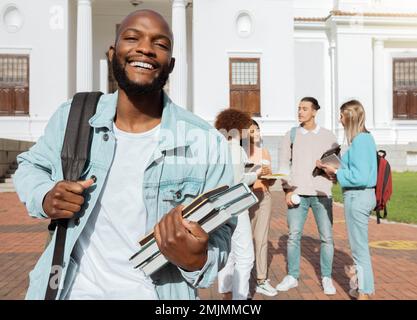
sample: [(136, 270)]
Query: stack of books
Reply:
[(211, 210)]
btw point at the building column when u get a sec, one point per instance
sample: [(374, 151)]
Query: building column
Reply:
[(178, 80), (84, 46), (333, 78), (380, 105), (104, 76)]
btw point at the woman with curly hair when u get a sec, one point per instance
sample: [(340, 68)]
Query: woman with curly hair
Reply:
[(234, 277)]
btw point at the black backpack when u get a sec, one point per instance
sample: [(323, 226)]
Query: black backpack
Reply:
[(74, 155)]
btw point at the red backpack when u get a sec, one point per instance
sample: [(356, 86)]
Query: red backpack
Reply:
[(383, 188)]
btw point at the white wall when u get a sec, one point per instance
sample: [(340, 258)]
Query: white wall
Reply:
[(190, 56), (313, 8), (44, 37), (355, 71), (355, 74), (72, 48), (215, 40), (391, 6), (392, 131), (310, 75)]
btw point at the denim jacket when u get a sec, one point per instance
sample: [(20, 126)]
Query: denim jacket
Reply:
[(191, 158)]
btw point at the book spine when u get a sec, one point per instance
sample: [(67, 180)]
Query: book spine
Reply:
[(215, 222), (145, 254), (154, 265)]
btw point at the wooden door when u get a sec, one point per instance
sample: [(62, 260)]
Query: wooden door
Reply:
[(244, 75), (14, 85), (405, 88)]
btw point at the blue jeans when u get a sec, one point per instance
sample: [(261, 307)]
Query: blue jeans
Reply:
[(296, 217), (358, 207)]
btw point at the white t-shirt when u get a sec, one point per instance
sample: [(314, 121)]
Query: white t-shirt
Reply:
[(116, 224), (239, 159)]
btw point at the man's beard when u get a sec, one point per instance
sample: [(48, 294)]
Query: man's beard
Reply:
[(132, 88)]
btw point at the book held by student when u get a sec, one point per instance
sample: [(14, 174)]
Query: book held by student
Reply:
[(210, 210)]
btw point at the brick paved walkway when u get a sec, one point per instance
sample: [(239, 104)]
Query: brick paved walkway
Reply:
[(22, 239)]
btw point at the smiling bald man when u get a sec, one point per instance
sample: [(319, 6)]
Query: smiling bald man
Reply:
[(145, 171)]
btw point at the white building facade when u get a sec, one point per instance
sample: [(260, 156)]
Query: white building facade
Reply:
[(260, 56)]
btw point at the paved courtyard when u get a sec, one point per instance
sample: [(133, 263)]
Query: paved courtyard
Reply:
[(393, 246)]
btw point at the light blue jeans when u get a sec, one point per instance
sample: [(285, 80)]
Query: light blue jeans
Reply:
[(358, 207), (296, 217)]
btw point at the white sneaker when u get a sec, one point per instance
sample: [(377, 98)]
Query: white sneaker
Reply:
[(328, 286), (287, 283), (265, 288)]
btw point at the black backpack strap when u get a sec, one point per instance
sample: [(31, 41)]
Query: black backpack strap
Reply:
[(74, 154), (293, 134)]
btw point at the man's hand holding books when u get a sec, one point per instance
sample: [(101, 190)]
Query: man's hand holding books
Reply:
[(181, 236), (182, 242)]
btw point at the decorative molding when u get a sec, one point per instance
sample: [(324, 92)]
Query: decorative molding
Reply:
[(366, 18), (16, 50), (373, 14), (12, 18), (244, 53), (310, 19), (244, 24)]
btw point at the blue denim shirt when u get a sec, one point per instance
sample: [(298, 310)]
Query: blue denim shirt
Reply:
[(191, 158)]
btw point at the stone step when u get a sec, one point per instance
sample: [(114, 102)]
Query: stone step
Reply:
[(7, 175), (7, 184), (7, 187)]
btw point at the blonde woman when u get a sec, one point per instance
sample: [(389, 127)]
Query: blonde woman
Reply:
[(357, 177)]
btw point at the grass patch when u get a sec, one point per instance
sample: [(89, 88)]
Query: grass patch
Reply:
[(403, 204)]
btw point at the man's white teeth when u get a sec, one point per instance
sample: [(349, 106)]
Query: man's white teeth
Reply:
[(142, 65)]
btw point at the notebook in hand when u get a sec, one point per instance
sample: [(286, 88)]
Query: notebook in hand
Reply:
[(210, 210), (275, 176), (332, 160), (330, 156)]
